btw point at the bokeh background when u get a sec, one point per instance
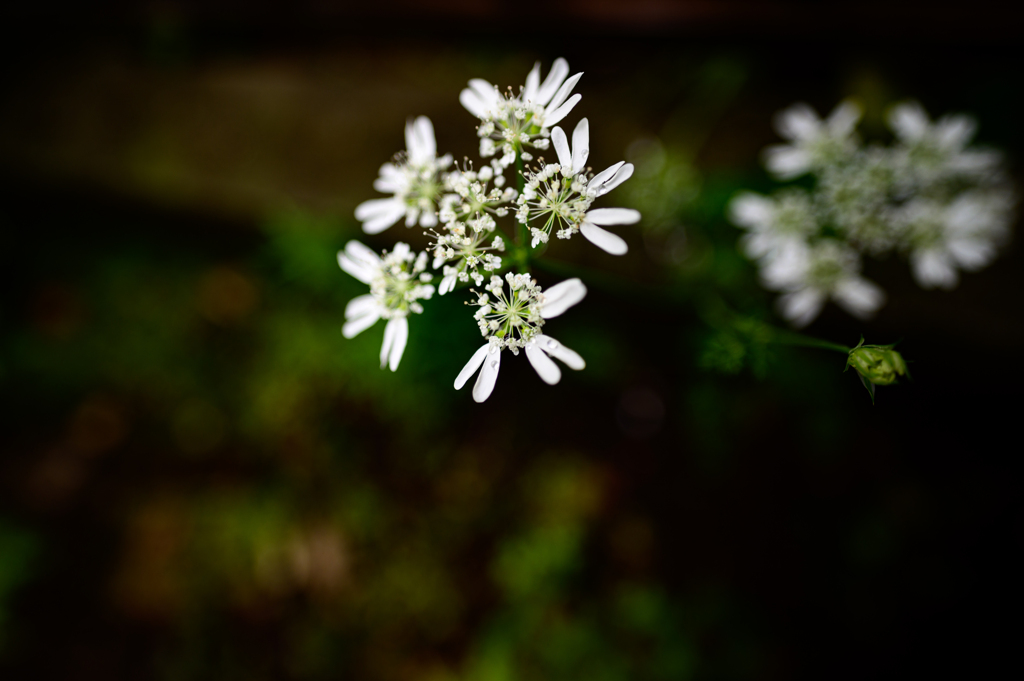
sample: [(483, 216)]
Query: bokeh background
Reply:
[(201, 479)]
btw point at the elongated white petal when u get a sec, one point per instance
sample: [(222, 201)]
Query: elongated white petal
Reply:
[(389, 340), (381, 215), (447, 283), (623, 173), (606, 174), (485, 91), (561, 147), (933, 268), (844, 118), (546, 369), (361, 305), (488, 375), (473, 104), (909, 121), (552, 117), (569, 357), (399, 331), (359, 261), (786, 162), (471, 366), (419, 140), (613, 216), (356, 324), (391, 179), (580, 145), (751, 210), (801, 307), (563, 92), (561, 297), (603, 239), (798, 122), (859, 297), (532, 86), (556, 76)]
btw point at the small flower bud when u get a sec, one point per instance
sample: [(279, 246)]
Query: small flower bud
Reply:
[(876, 365)]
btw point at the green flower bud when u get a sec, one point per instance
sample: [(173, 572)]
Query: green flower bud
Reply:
[(876, 364)]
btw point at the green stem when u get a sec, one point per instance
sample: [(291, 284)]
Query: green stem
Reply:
[(784, 337)]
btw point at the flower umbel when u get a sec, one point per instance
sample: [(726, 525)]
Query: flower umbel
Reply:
[(415, 180), (513, 321), (509, 122), (558, 196), (397, 283)]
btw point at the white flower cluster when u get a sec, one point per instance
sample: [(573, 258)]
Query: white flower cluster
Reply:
[(928, 196), (461, 209), (558, 195), (509, 122), (397, 283)]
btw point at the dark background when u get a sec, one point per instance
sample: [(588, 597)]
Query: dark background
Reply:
[(200, 478)]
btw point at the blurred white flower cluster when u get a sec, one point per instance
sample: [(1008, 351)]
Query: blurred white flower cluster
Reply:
[(463, 209), (928, 196)]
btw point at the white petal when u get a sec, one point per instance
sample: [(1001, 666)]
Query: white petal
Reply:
[(561, 297), (356, 324), (398, 331), (488, 375), (359, 261), (546, 369), (473, 104), (561, 147), (971, 254), (361, 305), (562, 93), (613, 216), (603, 239), (552, 117), (954, 132), (533, 84), (606, 174), (801, 307), (391, 179), (751, 210), (419, 140), (844, 118), (379, 216), (559, 70), (560, 352), (580, 145), (624, 172), (859, 297), (798, 122), (485, 91), (471, 366), (447, 283), (786, 162), (909, 121), (933, 268)]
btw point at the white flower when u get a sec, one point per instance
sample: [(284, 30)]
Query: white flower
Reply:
[(963, 234), (809, 275), (414, 180), (857, 196), (559, 196), (513, 321), (814, 143), (933, 151), (773, 223), (516, 120), (397, 282)]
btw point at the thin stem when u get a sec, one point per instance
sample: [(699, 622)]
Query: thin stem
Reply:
[(784, 337)]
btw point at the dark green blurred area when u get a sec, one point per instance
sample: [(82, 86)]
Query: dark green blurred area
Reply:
[(201, 478)]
